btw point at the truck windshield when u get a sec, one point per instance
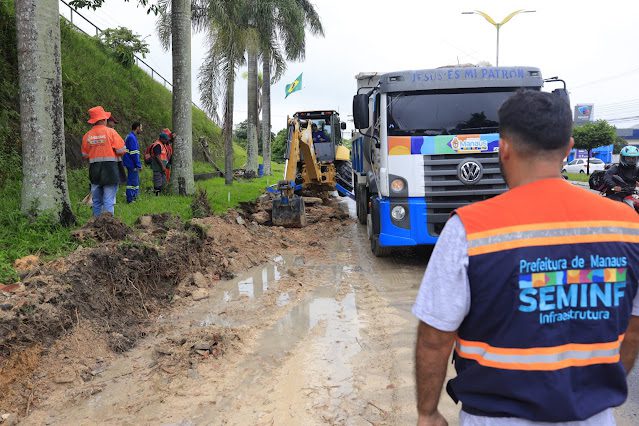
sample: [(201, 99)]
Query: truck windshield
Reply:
[(444, 112)]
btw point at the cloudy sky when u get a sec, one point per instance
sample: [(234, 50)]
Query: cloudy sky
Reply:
[(590, 46)]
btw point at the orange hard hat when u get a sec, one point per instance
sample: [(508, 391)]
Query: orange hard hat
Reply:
[(98, 113), (167, 132)]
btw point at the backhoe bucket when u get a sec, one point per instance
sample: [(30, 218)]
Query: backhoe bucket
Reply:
[(289, 212)]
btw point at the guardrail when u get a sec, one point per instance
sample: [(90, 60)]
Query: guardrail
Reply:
[(147, 68)]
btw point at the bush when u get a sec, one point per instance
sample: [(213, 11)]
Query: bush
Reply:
[(124, 44)]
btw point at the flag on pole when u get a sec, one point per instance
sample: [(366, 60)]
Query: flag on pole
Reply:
[(294, 86)]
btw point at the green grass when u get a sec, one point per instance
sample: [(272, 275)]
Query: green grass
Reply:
[(91, 76), (20, 236), (578, 177)]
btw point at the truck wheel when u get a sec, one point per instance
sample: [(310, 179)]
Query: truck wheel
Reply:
[(361, 203), (374, 231), (378, 250), (344, 174)]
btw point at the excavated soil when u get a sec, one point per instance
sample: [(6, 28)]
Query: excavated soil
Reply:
[(109, 294)]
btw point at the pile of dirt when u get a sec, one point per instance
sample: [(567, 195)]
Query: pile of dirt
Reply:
[(322, 208), (131, 276), (102, 228)]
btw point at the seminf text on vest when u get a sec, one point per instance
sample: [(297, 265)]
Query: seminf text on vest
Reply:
[(571, 289)]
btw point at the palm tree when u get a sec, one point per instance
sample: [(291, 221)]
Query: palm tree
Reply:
[(252, 146), (284, 23), (182, 163), (223, 22), (44, 182)]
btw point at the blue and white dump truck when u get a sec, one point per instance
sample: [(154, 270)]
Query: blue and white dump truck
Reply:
[(427, 143)]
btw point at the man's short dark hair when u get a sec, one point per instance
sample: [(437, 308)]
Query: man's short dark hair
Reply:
[(135, 125), (536, 121)]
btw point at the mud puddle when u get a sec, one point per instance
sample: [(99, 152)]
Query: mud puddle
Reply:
[(325, 328)]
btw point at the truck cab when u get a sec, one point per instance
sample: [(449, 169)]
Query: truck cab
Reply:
[(427, 143)]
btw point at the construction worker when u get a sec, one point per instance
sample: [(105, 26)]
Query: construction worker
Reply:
[(132, 162), (102, 146), (111, 122), (169, 154), (536, 289), (159, 162)]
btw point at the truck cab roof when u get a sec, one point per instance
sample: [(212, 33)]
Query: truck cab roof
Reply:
[(458, 78)]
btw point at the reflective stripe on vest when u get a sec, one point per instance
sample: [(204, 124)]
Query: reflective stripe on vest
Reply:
[(540, 359), (554, 233)]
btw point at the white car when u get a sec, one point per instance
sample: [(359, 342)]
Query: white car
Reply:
[(579, 166)]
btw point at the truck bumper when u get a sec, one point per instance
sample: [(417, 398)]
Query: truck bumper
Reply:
[(411, 231)]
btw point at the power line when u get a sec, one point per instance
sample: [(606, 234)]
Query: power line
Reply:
[(612, 77)]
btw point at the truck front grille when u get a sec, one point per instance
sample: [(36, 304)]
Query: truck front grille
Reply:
[(444, 191)]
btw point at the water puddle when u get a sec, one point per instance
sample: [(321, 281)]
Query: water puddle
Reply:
[(250, 287)]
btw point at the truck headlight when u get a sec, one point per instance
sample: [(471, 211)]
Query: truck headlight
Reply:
[(397, 185), (398, 213)]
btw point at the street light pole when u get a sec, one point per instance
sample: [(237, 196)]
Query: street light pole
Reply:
[(496, 24), (497, 57)]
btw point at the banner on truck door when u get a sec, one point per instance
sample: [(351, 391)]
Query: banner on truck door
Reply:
[(443, 144)]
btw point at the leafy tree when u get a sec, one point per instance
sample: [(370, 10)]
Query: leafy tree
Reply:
[(241, 131), (619, 143), (589, 136), (96, 4), (125, 44), (279, 145)]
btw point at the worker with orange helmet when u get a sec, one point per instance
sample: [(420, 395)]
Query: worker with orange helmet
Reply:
[(102, 146)]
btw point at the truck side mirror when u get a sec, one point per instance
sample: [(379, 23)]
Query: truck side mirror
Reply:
[(360, 111), (563, 94), (342, 126)]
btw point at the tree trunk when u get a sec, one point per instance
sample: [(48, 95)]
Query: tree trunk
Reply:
[(227, 131), (266, 113), (44, 174), (251, 147), (182, 174)]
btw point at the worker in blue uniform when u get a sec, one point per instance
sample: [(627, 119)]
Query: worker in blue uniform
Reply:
[(132, 162)]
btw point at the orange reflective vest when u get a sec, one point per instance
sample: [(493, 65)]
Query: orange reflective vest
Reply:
[(164, 156), (102, 143), (553, 271)]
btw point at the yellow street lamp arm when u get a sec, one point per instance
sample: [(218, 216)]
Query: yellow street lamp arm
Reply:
[(487, 17), (509, 17)]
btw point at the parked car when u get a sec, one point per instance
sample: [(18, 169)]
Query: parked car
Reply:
[(579, 166)]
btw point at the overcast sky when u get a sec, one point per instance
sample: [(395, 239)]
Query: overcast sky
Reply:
[(590, 44)]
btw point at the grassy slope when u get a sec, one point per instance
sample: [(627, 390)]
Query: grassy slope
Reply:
[(92, 77)]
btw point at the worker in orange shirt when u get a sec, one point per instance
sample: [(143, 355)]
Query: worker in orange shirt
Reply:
[(169, 153), (102, 146)]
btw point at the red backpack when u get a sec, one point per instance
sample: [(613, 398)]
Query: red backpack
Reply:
[(148, 154)]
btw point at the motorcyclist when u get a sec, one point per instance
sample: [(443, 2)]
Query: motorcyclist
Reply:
[(626, 169)]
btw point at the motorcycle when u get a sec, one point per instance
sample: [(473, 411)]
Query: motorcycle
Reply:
[(596, 180), (630, 194)]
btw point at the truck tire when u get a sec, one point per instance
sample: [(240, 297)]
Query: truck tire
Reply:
[(344, 174), (361, 202), (377, 250)]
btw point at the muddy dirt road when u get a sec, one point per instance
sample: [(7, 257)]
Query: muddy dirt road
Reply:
[(325, 338)]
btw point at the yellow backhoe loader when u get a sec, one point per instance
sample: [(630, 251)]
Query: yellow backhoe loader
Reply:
[(316, 161)]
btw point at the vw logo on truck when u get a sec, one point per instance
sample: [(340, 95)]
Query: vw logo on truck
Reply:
[(470, 172)]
